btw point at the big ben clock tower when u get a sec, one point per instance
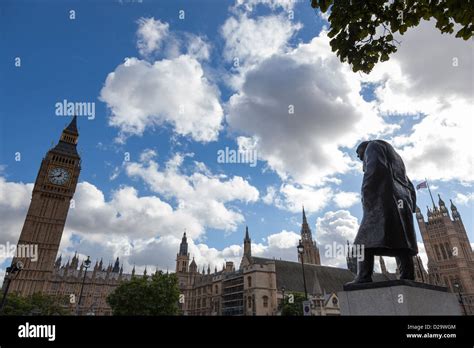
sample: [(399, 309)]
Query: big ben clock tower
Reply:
[(54, 188)]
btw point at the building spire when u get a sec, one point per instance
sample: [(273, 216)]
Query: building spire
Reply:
[(58, 261), (304, 217), (183, 247), (68, 140), (72, 127), (453, 207), (454, 211), (116, 268), (311, 251), (305, 230), (247, 243), (440, 201)]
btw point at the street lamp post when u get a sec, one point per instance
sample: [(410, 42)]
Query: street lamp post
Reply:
[(86, 264), (461, 301), (300, 249), (10, 271)]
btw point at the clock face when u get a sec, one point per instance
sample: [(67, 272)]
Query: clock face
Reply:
[(58, 176)]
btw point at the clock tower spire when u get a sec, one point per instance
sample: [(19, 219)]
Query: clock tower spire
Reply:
[(44, 224)]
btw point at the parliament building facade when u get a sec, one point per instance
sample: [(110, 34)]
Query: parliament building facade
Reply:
[(256, 287)]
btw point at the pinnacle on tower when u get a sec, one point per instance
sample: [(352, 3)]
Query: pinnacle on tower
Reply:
[(247, 243), (440, 201), (455, 212), (304, 217), (183, 247), (305, 230), (72, 127), (453, 207), (193, 266), (75, 261), (419, 215), (58, 261), (311, 251), (116, 268), (67, 144)]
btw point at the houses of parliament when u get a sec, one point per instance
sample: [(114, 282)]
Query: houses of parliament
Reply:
[(257, 286)]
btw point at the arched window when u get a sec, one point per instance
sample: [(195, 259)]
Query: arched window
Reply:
[(438, 254), (217, 289), (448, 250), (249, 281), (445, 256), (249, 302), (265, 301)]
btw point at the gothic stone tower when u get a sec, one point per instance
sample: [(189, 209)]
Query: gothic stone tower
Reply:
[(247, 243), (450, 257), (182, 258), (52, 193), (311, 251), (182, 272)]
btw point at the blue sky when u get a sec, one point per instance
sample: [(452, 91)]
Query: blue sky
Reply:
[(308, 159)]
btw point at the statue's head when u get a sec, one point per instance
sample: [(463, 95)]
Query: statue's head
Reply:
[(361, 149)]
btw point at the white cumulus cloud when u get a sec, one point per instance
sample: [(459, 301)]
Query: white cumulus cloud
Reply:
[(151, 33), (202, 195), (304, 109), (333, 230), (172, 92), (346, 199)]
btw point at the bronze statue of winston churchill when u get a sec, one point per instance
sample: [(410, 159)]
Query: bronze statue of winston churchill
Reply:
[(388, 201)]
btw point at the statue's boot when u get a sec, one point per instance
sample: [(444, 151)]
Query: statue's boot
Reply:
[(365, 271), (406, 267)]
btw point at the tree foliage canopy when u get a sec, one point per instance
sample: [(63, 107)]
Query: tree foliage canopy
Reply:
[(295, 307), (362, 31), (154, 295), (36, 304)]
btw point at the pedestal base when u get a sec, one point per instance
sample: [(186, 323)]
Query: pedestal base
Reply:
[(397, 297)]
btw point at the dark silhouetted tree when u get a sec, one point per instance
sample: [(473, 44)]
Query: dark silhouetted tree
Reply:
[(362, 31)]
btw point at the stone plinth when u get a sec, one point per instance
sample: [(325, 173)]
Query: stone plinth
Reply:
[(397, 297)]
